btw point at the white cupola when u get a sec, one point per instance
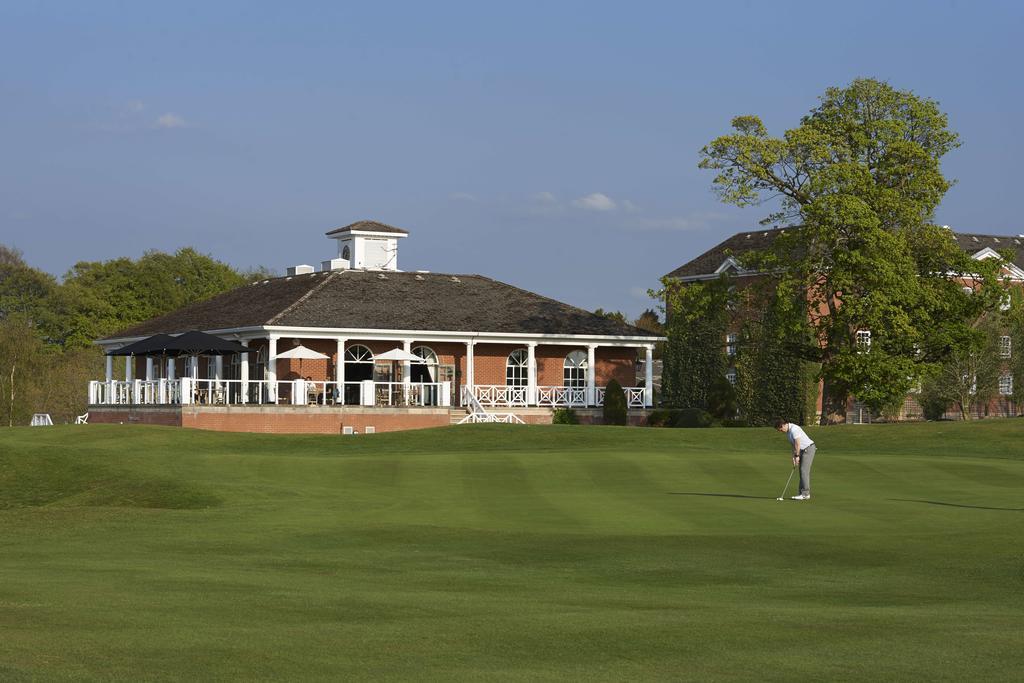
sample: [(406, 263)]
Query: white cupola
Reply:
[(366, 245)]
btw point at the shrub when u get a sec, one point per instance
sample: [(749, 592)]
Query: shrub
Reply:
[(660, 417), (564, 416), (692, 417), (722, 399), (614, 409)]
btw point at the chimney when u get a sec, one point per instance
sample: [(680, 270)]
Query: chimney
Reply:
[(300, 270)]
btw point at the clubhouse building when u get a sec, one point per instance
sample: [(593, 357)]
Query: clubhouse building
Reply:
[(358, 346)]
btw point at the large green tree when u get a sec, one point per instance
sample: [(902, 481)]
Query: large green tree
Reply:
[(24, 290), (861, 177), (99, 298)]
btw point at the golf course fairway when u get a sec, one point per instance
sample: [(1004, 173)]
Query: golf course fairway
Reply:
[(498, 552)]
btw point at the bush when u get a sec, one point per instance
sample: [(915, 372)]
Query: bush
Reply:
[(614, 409), (692, 417), (722, 399), (564, 416), (660, 417)]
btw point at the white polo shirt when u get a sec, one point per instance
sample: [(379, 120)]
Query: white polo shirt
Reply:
[(799, 437)]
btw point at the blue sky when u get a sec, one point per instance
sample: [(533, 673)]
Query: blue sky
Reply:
[(552, 145)]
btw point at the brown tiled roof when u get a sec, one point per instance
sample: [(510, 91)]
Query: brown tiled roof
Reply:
[(369, 226), (742, 242), (359, 299)]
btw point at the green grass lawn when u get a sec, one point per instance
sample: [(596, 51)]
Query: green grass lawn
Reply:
[(509, 552)]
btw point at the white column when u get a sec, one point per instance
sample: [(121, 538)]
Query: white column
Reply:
[(339, 371), (531, 373), (649, 376), (218, 368), (406, 370), (272, 369), (591, 375), (149, 368), (194, 372), (171, 368), (129, 362), (470, 381), (110, 368), (243, 374)]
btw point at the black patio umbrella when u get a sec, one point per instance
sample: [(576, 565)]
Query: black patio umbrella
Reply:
[(150, 346), (196, 343)]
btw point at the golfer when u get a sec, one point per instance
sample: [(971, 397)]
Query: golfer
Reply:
[(803, 454)]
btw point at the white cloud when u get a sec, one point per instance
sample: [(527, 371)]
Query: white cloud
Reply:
[(595, 202), (170, 120)]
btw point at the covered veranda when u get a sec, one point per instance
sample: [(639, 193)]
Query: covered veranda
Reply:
[(293, 367)]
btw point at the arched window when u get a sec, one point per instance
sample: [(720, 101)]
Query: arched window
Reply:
[(358, 363), (574, 370), (346, 253), (517, 369), (427, 370)]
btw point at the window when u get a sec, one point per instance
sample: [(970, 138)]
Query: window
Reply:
[(427, 370), (358, 363), (1006, 385), (731, 376), (1005, 346), (1004, 303), (731, 342), (574, 370), (346, 253), (516, 369), (863, 341)]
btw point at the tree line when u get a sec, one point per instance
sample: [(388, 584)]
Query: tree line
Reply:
[(48, 326)]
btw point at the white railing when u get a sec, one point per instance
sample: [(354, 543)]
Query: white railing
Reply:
[(505, 418), (562, 397), (214, 392), (636, 397), (498, 396)]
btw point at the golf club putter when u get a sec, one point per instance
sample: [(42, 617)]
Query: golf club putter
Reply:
[(783, 496)]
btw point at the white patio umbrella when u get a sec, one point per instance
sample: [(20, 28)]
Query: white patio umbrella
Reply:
[(301, 352), (397, 356)]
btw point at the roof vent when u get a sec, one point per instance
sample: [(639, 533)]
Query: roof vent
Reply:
[(382, 276), (420, 278), (946, 227), (749, 235), (300, 270), (996, 239), (764, 234), (455, 279), (974, 238), (335, 264)]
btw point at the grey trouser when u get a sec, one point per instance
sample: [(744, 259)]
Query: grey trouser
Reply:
[(806, 458)]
